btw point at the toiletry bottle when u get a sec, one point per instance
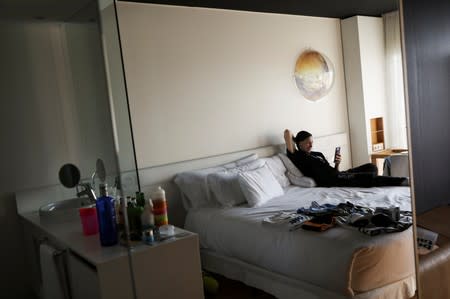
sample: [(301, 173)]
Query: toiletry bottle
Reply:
[(120, 215), (160, 207), (147, 237), (147, 218), (117, 209), (140, 199), (134, 218), (106, 218), (131, 223), (124, 226)]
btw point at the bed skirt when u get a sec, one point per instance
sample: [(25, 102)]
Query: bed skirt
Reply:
[(284, 287)]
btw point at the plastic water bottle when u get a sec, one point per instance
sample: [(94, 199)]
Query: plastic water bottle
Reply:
[(160, 207), (106, 215), (147, 217)]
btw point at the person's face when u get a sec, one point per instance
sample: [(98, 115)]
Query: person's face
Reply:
[(306, 145)]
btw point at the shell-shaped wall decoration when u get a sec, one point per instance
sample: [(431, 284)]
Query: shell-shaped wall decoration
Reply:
[(314, 75)]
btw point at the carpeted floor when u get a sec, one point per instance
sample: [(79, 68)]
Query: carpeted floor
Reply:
[(237, 290)]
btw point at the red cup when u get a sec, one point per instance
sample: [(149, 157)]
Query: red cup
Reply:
[(89, 220)]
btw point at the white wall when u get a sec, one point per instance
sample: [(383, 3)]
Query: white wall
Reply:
[(89, 107), (203, 82), (355, 90), (364, 60), (395, 97), (373, 70), (53, 110)]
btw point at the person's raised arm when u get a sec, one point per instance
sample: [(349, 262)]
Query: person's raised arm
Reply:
[(288, 139), (337, 161)]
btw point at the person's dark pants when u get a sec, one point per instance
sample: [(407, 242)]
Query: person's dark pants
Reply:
[(367, 179), (365, 168)]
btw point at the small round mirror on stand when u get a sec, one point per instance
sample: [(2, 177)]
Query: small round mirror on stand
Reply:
[(69, 175)]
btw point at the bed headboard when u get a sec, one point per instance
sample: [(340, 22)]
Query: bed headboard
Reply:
[(163, 175)]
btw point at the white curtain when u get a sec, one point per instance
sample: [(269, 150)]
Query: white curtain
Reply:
[(394, 82)]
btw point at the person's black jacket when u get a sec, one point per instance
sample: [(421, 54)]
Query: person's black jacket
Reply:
[(316, 166)]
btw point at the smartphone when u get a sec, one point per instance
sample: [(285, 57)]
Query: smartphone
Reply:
[(337, 151)]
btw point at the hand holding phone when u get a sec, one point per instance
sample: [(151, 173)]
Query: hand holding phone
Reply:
[(337, 151)]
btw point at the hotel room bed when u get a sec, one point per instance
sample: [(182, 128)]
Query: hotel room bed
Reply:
[(338, 263)]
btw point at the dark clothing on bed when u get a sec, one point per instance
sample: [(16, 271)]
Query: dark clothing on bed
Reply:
[(316, 166), (366, 168), (370, 221)]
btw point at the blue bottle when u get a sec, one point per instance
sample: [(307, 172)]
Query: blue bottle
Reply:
[(106, 215)]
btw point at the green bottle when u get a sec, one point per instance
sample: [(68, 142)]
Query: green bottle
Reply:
[(140, 199), (134, 212)]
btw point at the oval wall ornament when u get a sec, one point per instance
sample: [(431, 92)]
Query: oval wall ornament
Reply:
[(314, 75)]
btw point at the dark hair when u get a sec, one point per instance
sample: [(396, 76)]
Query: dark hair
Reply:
[(302, 135)]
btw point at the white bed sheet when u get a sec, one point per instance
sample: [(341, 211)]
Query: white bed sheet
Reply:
[(321, 259)]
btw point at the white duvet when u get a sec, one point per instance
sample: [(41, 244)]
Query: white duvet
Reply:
[(321, 259)]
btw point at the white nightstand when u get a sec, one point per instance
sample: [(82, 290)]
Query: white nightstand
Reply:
[(169, 269)]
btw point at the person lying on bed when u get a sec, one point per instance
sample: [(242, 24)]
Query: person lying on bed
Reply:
[(315, 165)]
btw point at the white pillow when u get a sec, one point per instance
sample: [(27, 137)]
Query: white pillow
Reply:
[(248, 166), (259, 186), (225, 187), (294, 174), (241, 161), (193, 184), (304, 181), (194, 188), (278, 170)]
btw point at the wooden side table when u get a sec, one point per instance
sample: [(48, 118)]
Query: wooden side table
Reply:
[(170, 269)]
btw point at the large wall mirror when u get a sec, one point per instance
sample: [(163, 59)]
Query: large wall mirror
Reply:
[(210, 85), (61, 63), (53, 72), (124, 143), (63, 101)]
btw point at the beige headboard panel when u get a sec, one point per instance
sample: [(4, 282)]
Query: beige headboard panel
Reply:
[(153, 177)]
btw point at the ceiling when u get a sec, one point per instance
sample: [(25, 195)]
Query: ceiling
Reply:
[(86, 10), (320, 8), (49, 10)]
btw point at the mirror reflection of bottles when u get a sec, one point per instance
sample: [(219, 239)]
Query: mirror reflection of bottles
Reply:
[(139, 214), (148, 222), (147, 218), (123, 224), (160, 207), (144, 217), (134, 212), (106, 215)]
